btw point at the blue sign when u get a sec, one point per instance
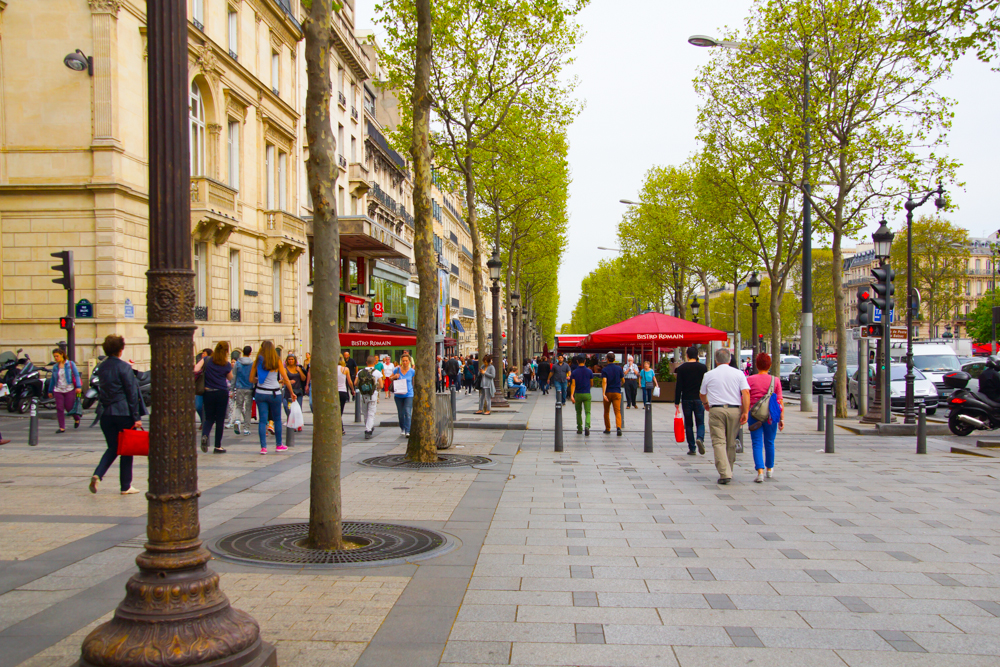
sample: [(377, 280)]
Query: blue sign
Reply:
[(877, 315), (129, 309), (84, 310)]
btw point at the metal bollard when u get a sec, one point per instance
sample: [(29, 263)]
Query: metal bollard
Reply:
[(819, 413), (647, 435), (33, 425), (289, 436), (559, 427), (922, 430), (357, 408), (454, 403), (830, 425)]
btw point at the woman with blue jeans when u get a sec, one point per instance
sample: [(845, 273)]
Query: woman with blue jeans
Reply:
[(269, 374), (404, 402), (762, 434), (647, 380)]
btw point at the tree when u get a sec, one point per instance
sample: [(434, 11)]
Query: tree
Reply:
[(979, 323), (325, 508), (824, 302), (940, 252), (422, 444)]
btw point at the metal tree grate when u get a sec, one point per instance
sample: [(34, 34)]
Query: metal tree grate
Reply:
[(377, 544), (399, 462)]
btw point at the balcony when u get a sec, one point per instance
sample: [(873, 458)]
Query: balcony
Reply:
[(358, 179), (349, 48), (370, 107), (277, 93), (467, 253), (454, 270), (342, 99), (455, 303), (342, 162), (354, 113), (286, 236), (201, 313), (234, 314), (468, 312), (234, 55), (214, 211), (277, 317), (362, 236), (454, 238)]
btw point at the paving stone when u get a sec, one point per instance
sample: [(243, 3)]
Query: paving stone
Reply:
[(822, 577), (943, 579), (719, 601)]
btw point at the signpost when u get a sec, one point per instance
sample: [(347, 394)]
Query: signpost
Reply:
[(84, 310), (897, 332), (129, 309)]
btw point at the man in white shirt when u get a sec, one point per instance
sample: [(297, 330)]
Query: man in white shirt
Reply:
[(725, 393), (371, 378)]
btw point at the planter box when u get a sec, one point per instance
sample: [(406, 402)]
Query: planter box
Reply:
[(667, 392)]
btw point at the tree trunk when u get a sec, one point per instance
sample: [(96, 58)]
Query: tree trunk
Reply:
[(840, 379), (477, 259), (774, 305), (422, 445), (325, 531)]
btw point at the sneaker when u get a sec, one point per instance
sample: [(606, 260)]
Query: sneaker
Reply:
[(61, 430), (586, 432), (607, 431), (579, 431), (619, 431), (76, 422), (219, 450), (236, 428), (263, 450), (299, 429), (281, 448), (768, 473), (368, 435), (701, 446), (407, 434), (4, 441), (204, 444), (94, 481), (130, 491), (760, 477), (691, 452), (725, 480)]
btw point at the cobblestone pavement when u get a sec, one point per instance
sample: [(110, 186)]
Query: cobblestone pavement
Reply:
[(601, 555)]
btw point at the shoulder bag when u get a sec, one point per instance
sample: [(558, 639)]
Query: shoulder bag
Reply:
[(761, 411)]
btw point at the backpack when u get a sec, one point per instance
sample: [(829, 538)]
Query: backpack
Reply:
[(366, 382)]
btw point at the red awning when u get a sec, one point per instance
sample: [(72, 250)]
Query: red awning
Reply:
[(353, 298), (653, 329), (565, 341), (376, 340)]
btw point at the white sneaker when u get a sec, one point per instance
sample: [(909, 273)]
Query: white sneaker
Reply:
[(130, 491), (768, 473), (760, 477)]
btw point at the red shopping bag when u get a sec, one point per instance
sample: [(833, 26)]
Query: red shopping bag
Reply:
[(679, 428), (133, 442), (253, 409)]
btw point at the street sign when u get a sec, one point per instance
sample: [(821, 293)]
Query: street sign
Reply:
[(129, 309), (877, 315), (897, 332), (84, 309), (377, 309)]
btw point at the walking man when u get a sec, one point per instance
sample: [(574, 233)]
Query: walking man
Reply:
[(686, 398), (612, 385), (243, 392), (544, 370), (725, 393), (451, 368), (631, 384), (369, 379), (558, 377), (580, 381)]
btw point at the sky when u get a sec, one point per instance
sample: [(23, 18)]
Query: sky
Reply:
[(634, 69)]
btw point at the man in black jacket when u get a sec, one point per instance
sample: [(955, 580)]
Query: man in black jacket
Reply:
[(451, 368), (686, 397)]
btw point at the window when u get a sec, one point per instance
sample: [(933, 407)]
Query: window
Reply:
[(968, 287), (201, 279), (354, 149), (354, 205), (340, 202), (977, 265), (340, 139), (270, 167), (234, 155), (196, 112), (275, 72), (276, 287), (234, 285), (198, 13), (234, 33), (979, 287), (340, 79), (282, 181)]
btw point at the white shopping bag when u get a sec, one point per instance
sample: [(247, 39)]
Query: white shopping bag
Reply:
[(295, 419), (399, 386), (656, 392)]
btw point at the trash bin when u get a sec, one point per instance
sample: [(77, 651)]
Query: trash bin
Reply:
[(443, 421)]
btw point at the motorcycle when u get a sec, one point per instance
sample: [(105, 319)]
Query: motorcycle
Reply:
[(970, 410), (90, 397), (26, 385)]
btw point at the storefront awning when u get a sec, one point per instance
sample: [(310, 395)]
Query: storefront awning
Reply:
[(353, 299), (456, 325)]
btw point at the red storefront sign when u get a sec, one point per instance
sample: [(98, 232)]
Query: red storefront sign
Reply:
[(352, 299), (378, 310), (376, 340)]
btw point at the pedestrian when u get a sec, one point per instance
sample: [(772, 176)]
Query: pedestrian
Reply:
[(559, 377), (388, 372), (647, 378), (65, 387), (469, 375), (352, 366), (461, 373), (580, 381), (298, 379), (218, 371), (199, 400), (369, 380), (269, 375), (345, 387), (725, 393), (515, 382), (451, 369), (439, 375), (631, 382), (121, 409), (487, 385), (404, 402), (765, 387), (527, 373), (687, 398), (544, 371), (242, 391), (611, 383)]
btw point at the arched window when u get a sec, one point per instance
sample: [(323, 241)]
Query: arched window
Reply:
[(196, 112)]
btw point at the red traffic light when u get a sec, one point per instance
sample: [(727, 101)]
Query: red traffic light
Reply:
[(66, 323), (865, 296)]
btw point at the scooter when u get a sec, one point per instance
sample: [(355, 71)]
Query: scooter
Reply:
[(970, 410), (27, 385)]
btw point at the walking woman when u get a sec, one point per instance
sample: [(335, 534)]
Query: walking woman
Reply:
[(404, 402), (122, 409), (389, 370), (762, 434), (647, 378), (468, 375), (487, 386), (64, 386), (297, 376), (269, 374), (345, 387), (218, 372)]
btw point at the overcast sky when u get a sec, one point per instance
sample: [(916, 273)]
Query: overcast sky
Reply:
[(635, 68)]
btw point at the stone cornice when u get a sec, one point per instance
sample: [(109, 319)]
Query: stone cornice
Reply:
[(105, 6)]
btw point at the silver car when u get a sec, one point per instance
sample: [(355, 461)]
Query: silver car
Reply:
[(924, 390)]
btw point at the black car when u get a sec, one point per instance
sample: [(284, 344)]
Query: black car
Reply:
[(822, 379)]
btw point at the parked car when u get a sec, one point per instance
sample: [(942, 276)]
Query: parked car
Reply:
[(975, 367), (924, 390), (786, 370), (933, 359), (822, 379)]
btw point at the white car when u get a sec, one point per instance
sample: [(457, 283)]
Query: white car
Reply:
[(924, 390)]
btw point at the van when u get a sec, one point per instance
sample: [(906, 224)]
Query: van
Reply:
[(934, 360)]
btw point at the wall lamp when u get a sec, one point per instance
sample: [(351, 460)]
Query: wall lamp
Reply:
[(78, 62)]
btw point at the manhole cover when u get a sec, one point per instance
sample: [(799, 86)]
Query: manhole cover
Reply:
[(377, 544), (399, 462)]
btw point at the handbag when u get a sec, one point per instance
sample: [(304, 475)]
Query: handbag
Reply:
[(77, 409), (761, 411), (133, 442), (477, 384), (199, 384)]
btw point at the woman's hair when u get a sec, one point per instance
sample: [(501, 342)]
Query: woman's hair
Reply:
[(269, 356), (488, 359), (763, 361), (341, 361), (221, 355), (407, 358), (61, 352), (113, 345)]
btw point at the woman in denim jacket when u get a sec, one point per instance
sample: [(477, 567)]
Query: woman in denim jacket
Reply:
[(64, 385)]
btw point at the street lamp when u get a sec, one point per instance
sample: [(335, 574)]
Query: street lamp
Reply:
[(515, 301), (695, 307), (882, 239), (909, 417), (371, 305), (753, 286), (494, 265), (805, 342)]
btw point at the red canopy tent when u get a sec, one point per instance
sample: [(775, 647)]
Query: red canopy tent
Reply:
[(654, 329)]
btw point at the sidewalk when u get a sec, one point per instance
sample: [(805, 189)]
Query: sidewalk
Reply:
[(601, 555)]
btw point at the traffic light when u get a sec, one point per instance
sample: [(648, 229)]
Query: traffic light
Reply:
[(65, 267), (66, 323), (874, 330), (884, 289), (864, 306)]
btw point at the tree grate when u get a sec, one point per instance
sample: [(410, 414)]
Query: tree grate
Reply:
[(399, 462), (376, 544)]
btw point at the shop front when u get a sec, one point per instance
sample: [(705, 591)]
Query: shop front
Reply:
[(362, 344)]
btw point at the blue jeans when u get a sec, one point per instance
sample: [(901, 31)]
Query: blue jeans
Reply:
[(520, 391), (404, 408), (647, 394), (199, 407), (560, 391), (762, 439), (694, 414), (268, 408)]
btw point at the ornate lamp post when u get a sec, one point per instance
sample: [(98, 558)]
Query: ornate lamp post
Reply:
[(494, 265), (883, 247), (695, 307), (515, 348), (753, 286), (910, 417), (174, 612)]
